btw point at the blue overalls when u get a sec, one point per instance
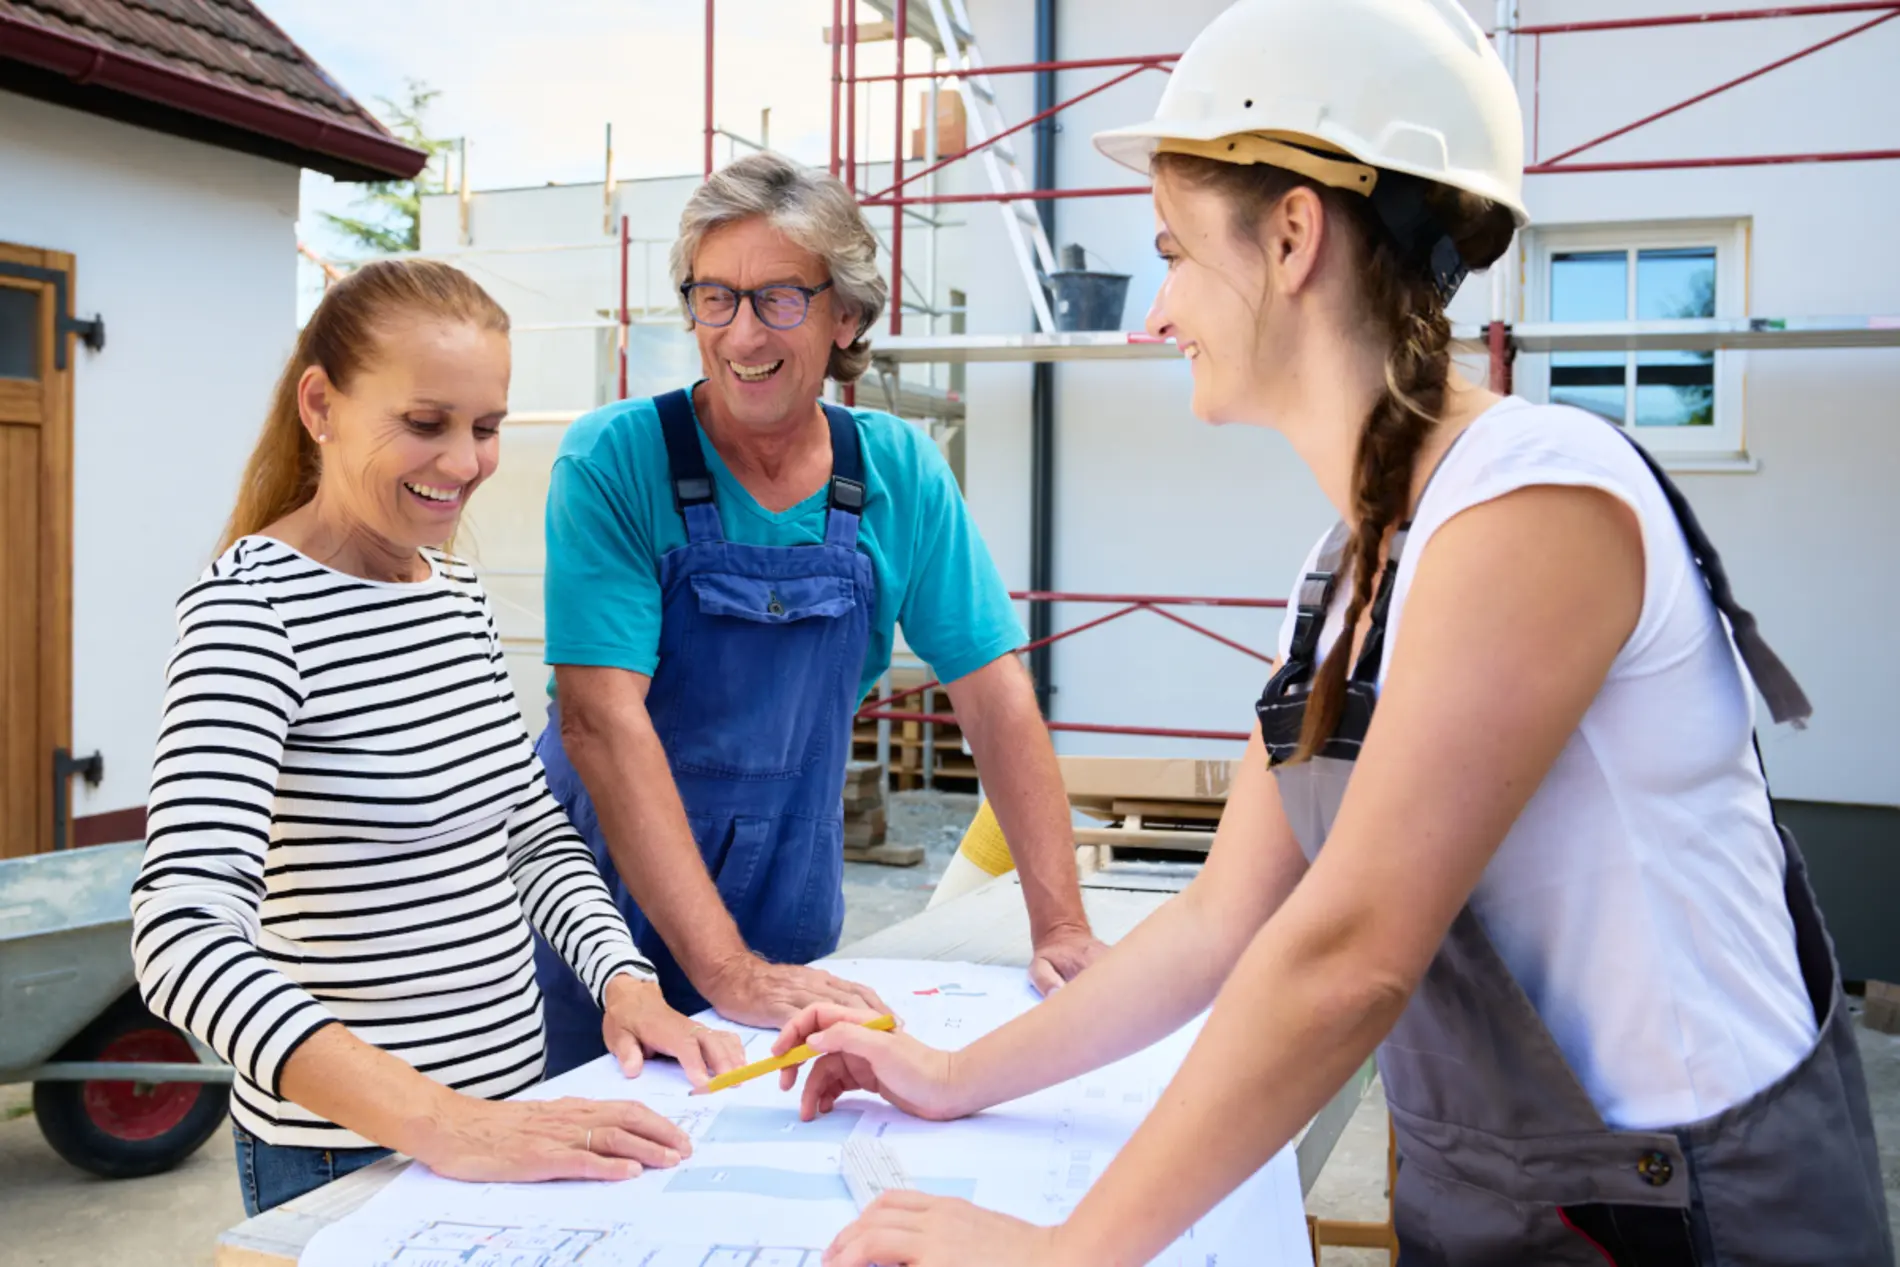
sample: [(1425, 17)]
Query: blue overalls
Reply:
[(760, 653)]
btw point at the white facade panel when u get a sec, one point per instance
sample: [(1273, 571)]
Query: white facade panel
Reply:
[(189, 253)]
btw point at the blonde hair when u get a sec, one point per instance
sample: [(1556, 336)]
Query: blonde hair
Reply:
[(343, 337)]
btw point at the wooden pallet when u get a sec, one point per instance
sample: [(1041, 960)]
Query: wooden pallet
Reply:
[(1150, 809), (912, 751)]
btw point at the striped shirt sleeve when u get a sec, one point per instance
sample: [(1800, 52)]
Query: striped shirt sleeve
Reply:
[(555, 872), (232, 690)]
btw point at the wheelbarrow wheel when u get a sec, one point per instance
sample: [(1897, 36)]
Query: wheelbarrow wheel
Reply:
[(122, 1130)]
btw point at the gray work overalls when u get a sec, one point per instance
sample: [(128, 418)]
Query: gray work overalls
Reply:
[(1503, 1159)]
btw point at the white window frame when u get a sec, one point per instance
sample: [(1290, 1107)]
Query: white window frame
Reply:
[(1719, 447)]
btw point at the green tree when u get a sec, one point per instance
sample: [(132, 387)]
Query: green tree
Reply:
[(390, 216)]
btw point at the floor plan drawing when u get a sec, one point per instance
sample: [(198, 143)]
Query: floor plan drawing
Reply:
[(762, 1188)]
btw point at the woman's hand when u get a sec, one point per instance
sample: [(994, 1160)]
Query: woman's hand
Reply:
[(532, 1140), (918, 1079), (638, 1023), (915, 1230)]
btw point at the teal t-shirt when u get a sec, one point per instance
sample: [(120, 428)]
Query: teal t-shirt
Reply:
[(611, 516)]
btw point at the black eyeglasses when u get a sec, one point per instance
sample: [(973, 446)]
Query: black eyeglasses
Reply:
[(782, 307)]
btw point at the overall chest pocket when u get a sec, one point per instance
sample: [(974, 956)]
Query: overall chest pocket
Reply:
[(759, 667)]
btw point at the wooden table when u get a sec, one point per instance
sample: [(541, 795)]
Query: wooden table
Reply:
[(989, 925)]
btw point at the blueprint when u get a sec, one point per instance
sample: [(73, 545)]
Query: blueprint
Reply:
[(763, 1189)]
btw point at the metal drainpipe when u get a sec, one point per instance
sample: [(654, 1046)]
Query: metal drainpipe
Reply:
[(1042, 391)]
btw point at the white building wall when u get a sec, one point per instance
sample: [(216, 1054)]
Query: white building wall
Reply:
[(1148, 499), (189, 252)]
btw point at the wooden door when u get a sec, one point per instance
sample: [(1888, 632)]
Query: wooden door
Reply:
[(35, 540)]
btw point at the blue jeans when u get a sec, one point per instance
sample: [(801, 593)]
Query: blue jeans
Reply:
[(271, 1174)]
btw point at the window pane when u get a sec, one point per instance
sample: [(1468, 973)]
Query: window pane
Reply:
[(1675, 389), (1675, 284), (1590, 286), (19, 332)]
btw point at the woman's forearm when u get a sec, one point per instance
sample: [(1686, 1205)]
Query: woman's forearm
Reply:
[(342, 1079), (1172, 963), (1163, 973), (1299, 1014)]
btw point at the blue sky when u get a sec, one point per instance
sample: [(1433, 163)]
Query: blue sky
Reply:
[(532, 85)]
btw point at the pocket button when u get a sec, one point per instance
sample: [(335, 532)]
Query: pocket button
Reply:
[(1655, 1168)]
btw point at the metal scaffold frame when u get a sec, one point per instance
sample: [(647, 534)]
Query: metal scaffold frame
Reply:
[(1502, 337)]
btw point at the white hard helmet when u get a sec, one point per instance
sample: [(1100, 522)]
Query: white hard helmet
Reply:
[(1343, 91)]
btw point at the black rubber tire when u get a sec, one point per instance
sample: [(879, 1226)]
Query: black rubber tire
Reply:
[(71, 1131)]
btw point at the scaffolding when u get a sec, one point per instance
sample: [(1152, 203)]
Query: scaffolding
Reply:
[(1503, 337)]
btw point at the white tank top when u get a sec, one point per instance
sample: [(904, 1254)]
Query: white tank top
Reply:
[(1638, 898)]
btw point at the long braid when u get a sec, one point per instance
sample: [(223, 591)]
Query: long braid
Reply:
[(1401, 420)]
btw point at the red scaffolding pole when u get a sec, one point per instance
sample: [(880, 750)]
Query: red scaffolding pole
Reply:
[(902, 180), (1026, 68), (1703, 19), (1127, 605), (1736, 82), (709, 87), (1886, 10), (837, 74), (851, 98), (897, 170)]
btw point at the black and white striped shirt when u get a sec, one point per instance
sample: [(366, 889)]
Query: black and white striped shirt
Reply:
[(347, 822)]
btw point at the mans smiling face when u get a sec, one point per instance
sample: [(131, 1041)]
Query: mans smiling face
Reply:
[(761, 377)]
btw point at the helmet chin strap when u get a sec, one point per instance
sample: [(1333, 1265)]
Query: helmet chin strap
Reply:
[(1397, 198)]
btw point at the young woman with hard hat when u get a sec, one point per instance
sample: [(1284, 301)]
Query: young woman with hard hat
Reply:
[(1552, 893)]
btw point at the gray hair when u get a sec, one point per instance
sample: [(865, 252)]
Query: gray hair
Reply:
[(814, 210)]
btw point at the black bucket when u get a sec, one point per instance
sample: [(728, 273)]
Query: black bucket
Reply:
[(1083, 300)]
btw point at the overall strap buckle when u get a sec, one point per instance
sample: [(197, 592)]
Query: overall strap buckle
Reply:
[(692, 482), (845, 500), (1316, 595)]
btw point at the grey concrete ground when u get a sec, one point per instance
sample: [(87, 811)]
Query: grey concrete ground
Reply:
[(52, 1215)]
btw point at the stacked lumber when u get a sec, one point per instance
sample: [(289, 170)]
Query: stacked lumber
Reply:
[(1148, 807), (867, 819), (1882, 1010), (920, 755)]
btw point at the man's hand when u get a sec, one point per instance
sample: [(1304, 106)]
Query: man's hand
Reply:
[(638, 1023), (1061, 953), (750, 991)]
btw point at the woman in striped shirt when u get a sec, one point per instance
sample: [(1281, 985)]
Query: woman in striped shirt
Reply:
[(349, 833)]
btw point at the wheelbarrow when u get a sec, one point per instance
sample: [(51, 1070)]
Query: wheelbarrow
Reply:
[(116, 1090)]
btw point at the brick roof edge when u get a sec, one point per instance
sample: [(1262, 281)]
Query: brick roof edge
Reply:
[(85, 63)]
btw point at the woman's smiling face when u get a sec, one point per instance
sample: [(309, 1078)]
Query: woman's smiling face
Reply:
[(416, 432), (1211, 301)]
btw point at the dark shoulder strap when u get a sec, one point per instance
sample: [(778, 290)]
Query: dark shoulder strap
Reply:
[(1787, 702), (1316, 596), (692, 482), (847, 461)]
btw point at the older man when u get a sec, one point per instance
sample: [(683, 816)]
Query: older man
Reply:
[(726, 568)]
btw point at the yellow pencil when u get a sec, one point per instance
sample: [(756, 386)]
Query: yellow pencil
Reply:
[(772, 1064)]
